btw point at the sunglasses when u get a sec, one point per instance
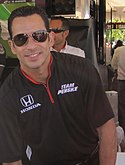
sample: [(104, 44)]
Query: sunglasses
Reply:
[(57, 30), (22, 39)]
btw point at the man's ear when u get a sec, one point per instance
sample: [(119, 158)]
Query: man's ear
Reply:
[(11, 44), (66, 33), (51, 38)]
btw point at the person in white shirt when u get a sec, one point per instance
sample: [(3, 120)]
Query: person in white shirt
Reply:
[(118, 64), (60, 26)]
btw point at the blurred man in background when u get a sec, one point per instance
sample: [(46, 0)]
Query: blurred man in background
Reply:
[(118, 64), (60, 26)]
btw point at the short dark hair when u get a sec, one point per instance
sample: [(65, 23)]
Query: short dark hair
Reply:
[(119, 43), (65, 22), (27, 11)]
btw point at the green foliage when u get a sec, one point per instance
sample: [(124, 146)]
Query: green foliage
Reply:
[(115, 34)]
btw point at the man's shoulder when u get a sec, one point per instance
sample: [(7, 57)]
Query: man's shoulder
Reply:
[(119, 52), (11, 81), (69, 60), (61, 56), (75, 50), (121, 48)]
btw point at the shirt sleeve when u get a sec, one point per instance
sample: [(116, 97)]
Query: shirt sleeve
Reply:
[(10, 134), (114, 61), (98, 108)]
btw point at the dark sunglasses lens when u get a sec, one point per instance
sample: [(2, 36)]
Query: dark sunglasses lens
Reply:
[(57, 30), (20, 39), (40, 36)]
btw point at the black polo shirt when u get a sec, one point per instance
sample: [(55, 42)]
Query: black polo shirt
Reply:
[(53, 122)]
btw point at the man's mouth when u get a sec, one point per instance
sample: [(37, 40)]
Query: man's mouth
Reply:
[(32, 55)]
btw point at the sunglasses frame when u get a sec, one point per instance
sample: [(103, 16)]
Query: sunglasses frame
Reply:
[(26, 36), (57, 30)]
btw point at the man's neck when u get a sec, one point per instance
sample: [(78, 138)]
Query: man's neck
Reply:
[(59, 47), (38, 75)]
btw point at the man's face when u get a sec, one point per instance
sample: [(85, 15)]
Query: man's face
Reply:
[(33, 54), (59, 38)]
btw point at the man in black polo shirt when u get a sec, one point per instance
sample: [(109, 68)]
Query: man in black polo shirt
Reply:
[(53, 108)]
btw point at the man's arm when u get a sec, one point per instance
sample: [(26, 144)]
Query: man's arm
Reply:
[(107, 143), (14, 163), (114, 61)]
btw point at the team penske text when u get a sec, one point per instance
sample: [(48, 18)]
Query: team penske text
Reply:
[(62, 91)]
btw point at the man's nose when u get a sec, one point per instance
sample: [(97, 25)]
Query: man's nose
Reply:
[(31, 43)]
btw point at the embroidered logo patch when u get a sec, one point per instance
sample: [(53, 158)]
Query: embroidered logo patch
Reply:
[(67, 88), (28, 102), (29, 152)]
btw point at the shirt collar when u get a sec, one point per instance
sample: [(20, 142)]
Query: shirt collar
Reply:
[(62, 50)]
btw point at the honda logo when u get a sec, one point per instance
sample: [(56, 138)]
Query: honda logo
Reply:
[(27, 100)]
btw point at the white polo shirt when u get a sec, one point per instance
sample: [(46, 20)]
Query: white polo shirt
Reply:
[(71, 50)]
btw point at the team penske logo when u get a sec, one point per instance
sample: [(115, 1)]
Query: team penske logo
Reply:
[(67, 88), (28, 102)]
